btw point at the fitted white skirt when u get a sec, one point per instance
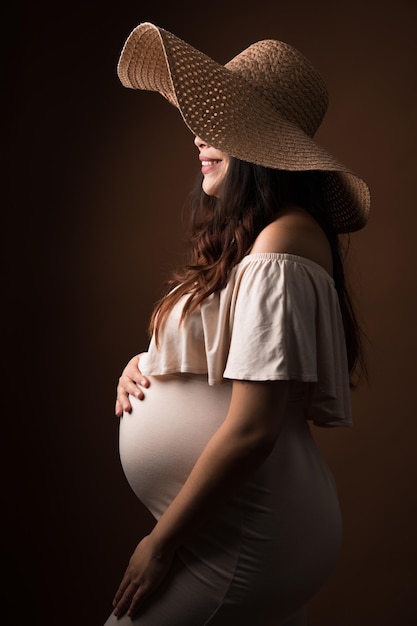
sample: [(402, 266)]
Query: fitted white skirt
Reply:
[(269, 548)]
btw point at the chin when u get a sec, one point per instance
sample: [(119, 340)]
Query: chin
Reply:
[(210, 190)]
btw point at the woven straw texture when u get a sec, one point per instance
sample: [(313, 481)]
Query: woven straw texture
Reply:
[(264, 106)]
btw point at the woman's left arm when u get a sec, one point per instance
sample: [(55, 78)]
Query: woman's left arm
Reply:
[(236, 450)]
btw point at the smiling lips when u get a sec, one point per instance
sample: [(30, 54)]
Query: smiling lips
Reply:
[(207, 165)]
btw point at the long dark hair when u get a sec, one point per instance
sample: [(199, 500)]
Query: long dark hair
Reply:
[(222, 231)]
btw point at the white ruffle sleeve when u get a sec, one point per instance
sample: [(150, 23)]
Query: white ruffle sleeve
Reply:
[(278, 318)]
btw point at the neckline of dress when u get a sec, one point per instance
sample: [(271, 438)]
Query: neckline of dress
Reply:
[(286, 256)]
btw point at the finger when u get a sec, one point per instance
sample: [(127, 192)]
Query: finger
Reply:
[(123, 395), (132, 370), (127, 386), (123, 404), (133, 374), (137, 600), (124, 602), (118, 409), (122, 589)]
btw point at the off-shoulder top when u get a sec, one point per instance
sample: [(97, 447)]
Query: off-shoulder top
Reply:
[(278, 318)]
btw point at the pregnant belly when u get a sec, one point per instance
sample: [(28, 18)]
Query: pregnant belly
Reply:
[(163, 436)]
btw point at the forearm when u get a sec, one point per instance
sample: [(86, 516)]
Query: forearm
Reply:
[(234, 452)]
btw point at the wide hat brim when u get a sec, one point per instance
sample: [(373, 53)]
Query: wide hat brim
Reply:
[(228, 112)]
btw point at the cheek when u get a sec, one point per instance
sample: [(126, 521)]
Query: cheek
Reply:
[(225, 169), (222, 173)]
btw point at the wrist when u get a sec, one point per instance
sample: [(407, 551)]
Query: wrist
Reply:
[(163, 545)]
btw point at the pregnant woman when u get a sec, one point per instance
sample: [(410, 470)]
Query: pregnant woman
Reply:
[(255, 338)]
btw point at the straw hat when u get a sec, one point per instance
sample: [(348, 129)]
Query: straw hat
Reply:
[(264, 106)]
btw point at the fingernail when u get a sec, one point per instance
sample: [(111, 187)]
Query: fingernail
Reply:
[(143, 381)]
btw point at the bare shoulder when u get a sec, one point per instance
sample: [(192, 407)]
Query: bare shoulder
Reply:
[(296, 232)]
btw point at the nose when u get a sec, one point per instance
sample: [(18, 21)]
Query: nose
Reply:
[(200, 143)]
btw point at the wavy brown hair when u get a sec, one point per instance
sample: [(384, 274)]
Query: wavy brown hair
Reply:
[(222, 231)]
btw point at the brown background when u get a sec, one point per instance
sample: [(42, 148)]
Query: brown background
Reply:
[(95, 180)]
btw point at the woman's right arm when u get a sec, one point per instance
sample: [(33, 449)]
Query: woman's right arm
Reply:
[(130, 383)]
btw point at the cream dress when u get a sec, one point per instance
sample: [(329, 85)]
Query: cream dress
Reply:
[(269, 549)]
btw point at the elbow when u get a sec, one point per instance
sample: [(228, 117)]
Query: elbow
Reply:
[(256, 443), (265, 442), (255, 415)]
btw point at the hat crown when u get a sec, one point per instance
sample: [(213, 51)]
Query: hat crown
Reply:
[(286, 79)]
